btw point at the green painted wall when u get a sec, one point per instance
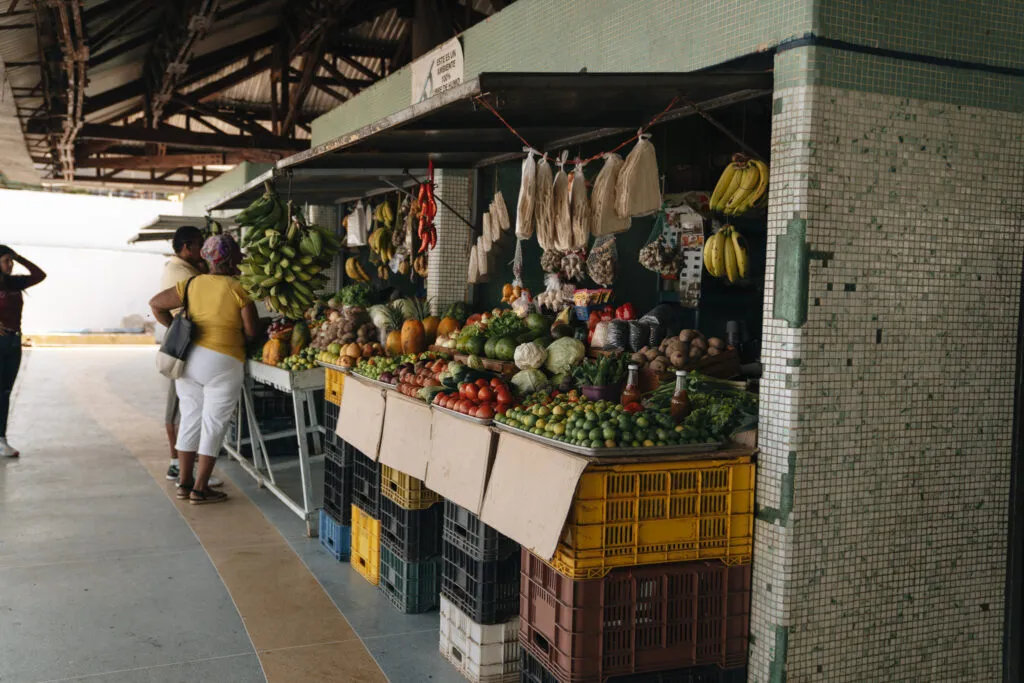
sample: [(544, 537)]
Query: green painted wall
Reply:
[(195, 202)]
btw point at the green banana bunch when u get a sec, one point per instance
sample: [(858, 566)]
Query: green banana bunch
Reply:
[(286, 260)]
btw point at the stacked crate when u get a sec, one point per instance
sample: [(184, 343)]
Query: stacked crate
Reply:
[(651, 580), (410, 542), (336, 515), (479, 599), (365, 510)]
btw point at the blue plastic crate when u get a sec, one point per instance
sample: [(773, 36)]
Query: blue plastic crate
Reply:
[(335, 537)]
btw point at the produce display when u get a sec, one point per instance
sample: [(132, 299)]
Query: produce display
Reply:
[(679, 352), (482, 398), (421, 379), (386, 368), (285, 258), (305, 359), (350, 325)]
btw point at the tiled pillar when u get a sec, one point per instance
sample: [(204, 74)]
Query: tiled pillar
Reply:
[(887, 409), (328, 216), (449, 261)]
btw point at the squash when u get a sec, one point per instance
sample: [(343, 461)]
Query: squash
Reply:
[(430, 325), (274, 351), (447, 326)]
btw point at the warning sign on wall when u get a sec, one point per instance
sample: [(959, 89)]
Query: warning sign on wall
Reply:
[(437, 71)]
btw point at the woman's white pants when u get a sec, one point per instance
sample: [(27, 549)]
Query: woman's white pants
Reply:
[(208, 393)]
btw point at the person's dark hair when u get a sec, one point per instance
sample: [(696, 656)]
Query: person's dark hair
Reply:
[(5, 250), (184, 235)]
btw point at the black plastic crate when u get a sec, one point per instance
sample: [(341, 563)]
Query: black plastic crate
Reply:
[(366, 484), (412, 535), (330, 423), (338, 482), (412, 587), (531, 671), (488, 592), (465, 531)]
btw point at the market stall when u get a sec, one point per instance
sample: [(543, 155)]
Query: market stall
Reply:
[(588, 406)]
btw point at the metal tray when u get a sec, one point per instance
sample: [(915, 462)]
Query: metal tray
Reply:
[(694, 449), (374, 382), (331, 366), (462, 416)]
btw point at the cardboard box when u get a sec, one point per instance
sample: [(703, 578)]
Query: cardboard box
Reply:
[(405, 443), (361, 416), (461, 454), (530, 491)]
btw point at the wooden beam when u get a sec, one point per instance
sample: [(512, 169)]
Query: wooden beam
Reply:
[(164, 161), (310, 64), (177, 41), (230, 118), (330, 91), (181, 138), (124, 46), (136, 182), (131, 13), (13, 6), (361, 68)]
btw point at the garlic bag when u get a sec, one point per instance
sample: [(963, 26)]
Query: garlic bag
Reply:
[(527, 190), (638, 191), (604, 220)]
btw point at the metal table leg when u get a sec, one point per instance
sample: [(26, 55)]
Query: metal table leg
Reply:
[(303, 400)]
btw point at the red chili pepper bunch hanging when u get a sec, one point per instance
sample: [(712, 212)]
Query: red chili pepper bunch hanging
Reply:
[(427, 231)]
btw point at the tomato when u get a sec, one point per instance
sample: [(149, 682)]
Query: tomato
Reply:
[(485, 394), (503, 395), (484, 412), (469, 391), (482, 383), (502, 408), (496, 382)]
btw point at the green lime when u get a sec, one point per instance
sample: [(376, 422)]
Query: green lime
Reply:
[(594, 434), (642, 422), (594, 443), (558, 429), (608, 433)]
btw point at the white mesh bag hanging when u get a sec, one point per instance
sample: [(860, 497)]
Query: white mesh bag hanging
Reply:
[(604, 220), (561, 214), (527, 197), (579, 205), (638, 191), (543, 220)]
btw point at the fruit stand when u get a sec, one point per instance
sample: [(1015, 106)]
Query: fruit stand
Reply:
[(300, 385)]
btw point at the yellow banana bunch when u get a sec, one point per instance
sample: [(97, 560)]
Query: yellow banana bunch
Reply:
[(354, 270), (725, 255), (742, 185), (380, 243)]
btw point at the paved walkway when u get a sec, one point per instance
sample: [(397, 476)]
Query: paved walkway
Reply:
[(104, 577)]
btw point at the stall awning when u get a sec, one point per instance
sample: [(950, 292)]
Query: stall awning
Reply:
[(164, 227), (455, 130)]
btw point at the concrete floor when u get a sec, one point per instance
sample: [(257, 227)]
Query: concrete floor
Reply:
[(104, 578)]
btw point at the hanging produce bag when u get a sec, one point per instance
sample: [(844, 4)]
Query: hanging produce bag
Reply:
[(604, 220), (474, 270), (579, 205), (359, 222), (551, 261), (517, 265), (527, 198), (543, 218), (603, 261), (638, 191), (658, 254), (562, 214), (499, 212)]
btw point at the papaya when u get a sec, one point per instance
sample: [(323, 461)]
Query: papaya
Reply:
[(300, 337), (430, 326), (274, 351), (393, 344), (413, 338)]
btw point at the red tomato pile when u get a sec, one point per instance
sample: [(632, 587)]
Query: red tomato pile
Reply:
[(480, 399)]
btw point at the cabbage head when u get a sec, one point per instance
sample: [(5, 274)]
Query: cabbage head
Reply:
[(528, 381), (530, 356), (563, 354)]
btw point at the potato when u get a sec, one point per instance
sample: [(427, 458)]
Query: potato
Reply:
[(673, 345), (696, 354), (678, 360), (716, 342), (699, 343), (651, 354), (714, 351), (687, 335), (659, 364), (639, 357)]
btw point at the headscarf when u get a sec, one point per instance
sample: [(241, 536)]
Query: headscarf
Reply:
[(220, 250)]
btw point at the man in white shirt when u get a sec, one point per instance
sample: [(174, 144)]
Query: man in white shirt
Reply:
[(185, 264)]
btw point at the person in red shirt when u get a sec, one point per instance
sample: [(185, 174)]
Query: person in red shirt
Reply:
[(11, 303)]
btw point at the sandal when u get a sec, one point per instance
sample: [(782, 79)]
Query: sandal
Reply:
[(183, 491), (206, 497)]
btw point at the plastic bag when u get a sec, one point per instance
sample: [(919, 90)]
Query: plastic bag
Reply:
[(604, 220), (600, 338), (543, 220), (517, 265), (359, 225), (474, 270), (638, 190), (560, 207), (657, 255), (603, 261), (639, 334), (618, 335), (527, 198)]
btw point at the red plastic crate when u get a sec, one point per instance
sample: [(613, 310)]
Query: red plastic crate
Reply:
[(634, 620)]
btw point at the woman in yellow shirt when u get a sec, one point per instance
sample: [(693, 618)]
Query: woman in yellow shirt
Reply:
[(208, 390)]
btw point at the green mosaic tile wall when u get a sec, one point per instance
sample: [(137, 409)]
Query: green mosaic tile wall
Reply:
[(990, 32), (601, 35), (880, 542)]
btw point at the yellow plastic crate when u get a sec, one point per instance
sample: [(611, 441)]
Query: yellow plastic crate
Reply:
[(365, 557), (408, 492), (334, 386), (649, 513)]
